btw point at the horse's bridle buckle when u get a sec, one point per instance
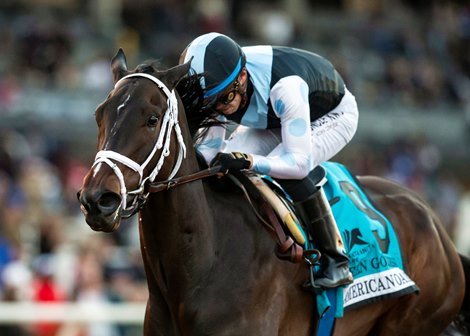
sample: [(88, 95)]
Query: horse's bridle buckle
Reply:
[(170, 184)]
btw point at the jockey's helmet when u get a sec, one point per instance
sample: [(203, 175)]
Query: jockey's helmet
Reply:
[(218, 60)]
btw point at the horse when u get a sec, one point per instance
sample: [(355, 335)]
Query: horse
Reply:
[(209, 263)]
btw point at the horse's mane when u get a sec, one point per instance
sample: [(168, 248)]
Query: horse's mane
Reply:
[(192, 96), (149, 66)]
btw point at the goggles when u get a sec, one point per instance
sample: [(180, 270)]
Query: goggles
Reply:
[(224, 98), (214, 95)]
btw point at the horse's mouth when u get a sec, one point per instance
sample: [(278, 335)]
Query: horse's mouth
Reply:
[(102, 225), (109, 223), (100, 213)]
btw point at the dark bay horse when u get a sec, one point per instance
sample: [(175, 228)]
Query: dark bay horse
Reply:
[(209, 262)]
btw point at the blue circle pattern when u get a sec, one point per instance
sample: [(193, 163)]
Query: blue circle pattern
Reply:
[(280, 107), (288, 158), (298, 127), (262, 167), (213, 143)]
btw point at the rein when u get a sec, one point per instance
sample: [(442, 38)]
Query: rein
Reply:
[(154, 187)]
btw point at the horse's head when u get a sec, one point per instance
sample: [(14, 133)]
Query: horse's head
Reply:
[(137, 131)]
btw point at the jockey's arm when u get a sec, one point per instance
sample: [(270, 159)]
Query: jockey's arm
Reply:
[(213, 141), (292, 159)]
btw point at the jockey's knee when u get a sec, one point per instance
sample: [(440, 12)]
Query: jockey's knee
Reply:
[(300, 190)]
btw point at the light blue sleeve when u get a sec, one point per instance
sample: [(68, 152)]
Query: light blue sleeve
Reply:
[(213, 141)]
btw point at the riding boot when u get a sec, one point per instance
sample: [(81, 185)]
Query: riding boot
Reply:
[(334, 264)]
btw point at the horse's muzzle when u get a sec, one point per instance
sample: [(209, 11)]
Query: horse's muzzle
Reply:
[(102, 210)]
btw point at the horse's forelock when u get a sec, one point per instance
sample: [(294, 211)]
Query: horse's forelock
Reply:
[(149, 67)]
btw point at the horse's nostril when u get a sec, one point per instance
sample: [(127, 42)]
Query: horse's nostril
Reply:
[(83, 202), (109, 202)]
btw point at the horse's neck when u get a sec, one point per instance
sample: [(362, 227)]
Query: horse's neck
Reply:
[(177, 224), (198, 243)]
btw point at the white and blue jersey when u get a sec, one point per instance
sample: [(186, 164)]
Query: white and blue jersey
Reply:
[(267, 66), (291, 92)]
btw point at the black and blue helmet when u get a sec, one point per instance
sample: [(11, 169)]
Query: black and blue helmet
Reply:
[(217, 60)]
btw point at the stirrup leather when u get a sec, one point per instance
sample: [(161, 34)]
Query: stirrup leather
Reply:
[(289, 219)]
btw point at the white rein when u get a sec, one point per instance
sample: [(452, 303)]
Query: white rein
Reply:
[(169, 122)]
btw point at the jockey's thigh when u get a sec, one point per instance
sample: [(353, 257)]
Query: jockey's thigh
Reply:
[(254, 141), (331, 132), (335, 129)]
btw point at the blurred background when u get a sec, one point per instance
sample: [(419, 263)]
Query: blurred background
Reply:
[(407, 63)]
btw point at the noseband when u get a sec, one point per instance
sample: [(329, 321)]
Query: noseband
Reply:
[(169, 123)]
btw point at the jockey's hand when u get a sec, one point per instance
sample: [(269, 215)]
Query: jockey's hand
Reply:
[(232, 161)]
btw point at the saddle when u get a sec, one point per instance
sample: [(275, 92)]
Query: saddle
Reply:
[(273, 206), (281, 205)]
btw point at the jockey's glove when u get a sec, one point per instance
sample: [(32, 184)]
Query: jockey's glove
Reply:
[(232, 161)]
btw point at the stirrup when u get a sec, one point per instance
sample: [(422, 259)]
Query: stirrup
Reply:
[(312, 258)]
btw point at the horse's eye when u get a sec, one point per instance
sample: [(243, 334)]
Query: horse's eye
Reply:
[(153, 120)]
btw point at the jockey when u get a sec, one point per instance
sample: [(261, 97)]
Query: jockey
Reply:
[(293, 111)]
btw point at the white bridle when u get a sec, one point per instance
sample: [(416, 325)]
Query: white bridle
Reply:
[(169, 122)]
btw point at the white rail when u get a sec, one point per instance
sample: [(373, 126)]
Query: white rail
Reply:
[(125, 313)]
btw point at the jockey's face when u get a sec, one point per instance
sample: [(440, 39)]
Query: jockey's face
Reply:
[(230, 101)]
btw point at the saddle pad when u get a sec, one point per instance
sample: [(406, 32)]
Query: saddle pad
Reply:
[(369, 238)]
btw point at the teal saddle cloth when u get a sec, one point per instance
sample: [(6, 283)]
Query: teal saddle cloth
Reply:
[(372, 246), (371, 243)]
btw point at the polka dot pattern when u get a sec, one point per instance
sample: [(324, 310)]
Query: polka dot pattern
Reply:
[(297, 127), (262, 167), (212, 143), (288, 158), (279, 107)]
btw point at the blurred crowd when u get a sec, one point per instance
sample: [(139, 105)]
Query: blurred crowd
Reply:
[(387, 53), (394, 55), (422, 61), (47, 252)]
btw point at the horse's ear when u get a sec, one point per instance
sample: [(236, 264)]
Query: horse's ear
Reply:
[(173, 75), (119, 65)]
